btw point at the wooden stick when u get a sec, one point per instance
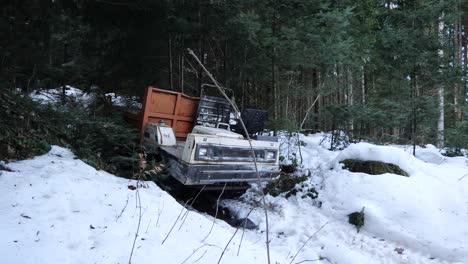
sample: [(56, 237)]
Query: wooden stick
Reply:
[(259, 181)]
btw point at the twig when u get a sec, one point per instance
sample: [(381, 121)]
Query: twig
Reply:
[(175, 222), (195, 251), (138, 198), (206, 250), (309, 260), (138, 227), (184, 217), (159, 214), (225, 247), (308, 111), (463, 177), (299, 146), (193, 68), (123, 209), (233, 235), (308, 239), (303, 122), (242, 236), (259, 181), (146, 232), (216, 213)]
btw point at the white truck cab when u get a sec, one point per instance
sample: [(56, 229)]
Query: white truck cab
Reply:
[(210, 153)]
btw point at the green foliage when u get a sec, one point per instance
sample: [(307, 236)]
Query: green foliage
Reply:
[(284, 183), (376, 65), (373, 167), (26, 146), (24, 128), (457, 137), (104, 142), (283, 123)]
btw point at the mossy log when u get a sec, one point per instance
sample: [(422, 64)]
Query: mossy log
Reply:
[(373, 167)]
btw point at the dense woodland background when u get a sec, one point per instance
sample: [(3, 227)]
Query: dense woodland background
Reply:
[(390, 71)]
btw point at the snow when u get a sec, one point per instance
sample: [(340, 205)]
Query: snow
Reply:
[(57, 209), (416, 219), (421, 214), (419, 211), (53, 96)]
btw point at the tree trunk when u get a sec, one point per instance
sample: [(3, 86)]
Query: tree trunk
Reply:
[(273, 68), (440, 92), (169, 42), (363, 84), (457, 63), (440, 122), (350, 97)]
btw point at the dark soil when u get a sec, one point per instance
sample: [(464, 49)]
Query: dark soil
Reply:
[(206, 201)]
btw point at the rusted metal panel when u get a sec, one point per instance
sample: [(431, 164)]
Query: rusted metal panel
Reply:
[(175, 109)]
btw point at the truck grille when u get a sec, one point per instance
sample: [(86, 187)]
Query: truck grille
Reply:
[(223, 153)]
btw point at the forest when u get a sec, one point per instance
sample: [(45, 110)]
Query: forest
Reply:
[(381, 70), (363, 158)]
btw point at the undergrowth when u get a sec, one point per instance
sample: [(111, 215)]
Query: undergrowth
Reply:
[(96, 135)]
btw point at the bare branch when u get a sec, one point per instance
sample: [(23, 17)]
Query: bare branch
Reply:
[(242, 236), (175, 222), (195, 251), (463, 177), (303, 122), (259, 181), (184, 217), (159, 215), (201, 256), (233, 235), (308, 239), (216, 214), (138, 227), (308, 111), (309, 260), (138, 204), (123, 209), (146, 232)]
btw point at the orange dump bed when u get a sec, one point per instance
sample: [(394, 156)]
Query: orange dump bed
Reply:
[(175, 109)]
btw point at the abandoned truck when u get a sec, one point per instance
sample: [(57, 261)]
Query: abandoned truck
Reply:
[(199, 142)]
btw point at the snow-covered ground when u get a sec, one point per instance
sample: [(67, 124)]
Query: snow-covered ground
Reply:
[(54, 96), (56, 209)]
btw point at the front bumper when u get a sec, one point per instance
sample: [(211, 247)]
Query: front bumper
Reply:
[(214, 173), (208, 174)]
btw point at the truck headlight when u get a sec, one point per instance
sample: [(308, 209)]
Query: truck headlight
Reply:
[(270, 155), (202, 152)]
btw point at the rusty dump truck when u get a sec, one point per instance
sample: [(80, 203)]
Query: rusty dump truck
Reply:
[(200, 142)]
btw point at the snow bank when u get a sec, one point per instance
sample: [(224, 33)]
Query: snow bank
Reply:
[(57, 209), (430, 154), (421, 212), (420, 216)]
